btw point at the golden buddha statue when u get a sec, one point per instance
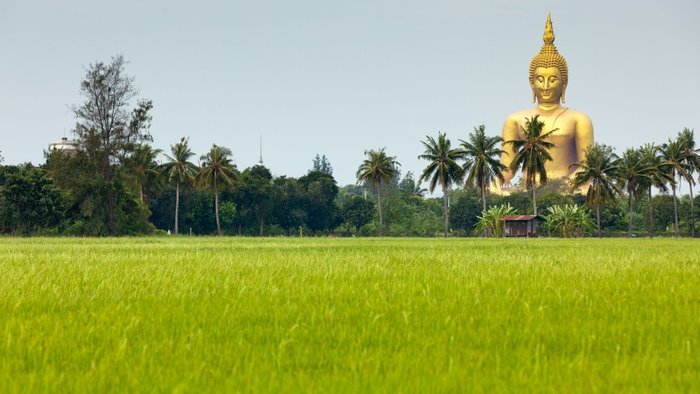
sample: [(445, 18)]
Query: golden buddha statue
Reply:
[(549, 76)]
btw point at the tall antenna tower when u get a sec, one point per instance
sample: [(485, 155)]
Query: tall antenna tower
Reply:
[(261, 160)]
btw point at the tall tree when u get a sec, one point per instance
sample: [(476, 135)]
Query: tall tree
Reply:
[(633, 171), (215, 173), (600, 170), (442, 168), (692, 164), (674, 157), (322, 164), (179, 169), (108, 132), (320, 190), (531, 154), (142, 163), (657, 177), (483, 163), (377, 169), (288, 204), (256, 194), (29, 201)]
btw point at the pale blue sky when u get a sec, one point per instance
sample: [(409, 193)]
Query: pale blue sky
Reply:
[(336, 78)]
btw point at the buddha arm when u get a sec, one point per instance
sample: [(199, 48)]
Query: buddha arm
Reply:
[(511, 131), (583, 137)]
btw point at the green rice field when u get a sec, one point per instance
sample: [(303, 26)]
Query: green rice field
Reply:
[(181, 314)]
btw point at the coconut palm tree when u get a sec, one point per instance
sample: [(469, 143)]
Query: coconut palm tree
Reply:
[(179, 169), (442, 167), (143, 162), (377, 169), (599, 170), (632, 170), (216, 172), (483, 163), (658, 177), (674, 156), (531, 154), (692, 164)]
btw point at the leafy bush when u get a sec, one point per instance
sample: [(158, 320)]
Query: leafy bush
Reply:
[(490, 220), (568, 221)]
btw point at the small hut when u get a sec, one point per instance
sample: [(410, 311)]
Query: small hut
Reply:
[(521, 225)]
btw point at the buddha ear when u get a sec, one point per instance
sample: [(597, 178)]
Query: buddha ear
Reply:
[(563, 95), (534, 95)]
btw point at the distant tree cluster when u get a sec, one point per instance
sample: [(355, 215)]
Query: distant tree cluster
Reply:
[(115, 184)]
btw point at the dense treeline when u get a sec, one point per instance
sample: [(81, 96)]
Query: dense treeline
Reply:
[(112, 183)]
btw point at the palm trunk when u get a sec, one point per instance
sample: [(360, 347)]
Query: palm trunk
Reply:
[(483, 205), (651, 216), (216, 206), (534, 197), (692, 212), (177, 207), (597, 218), (379, 207), (629, 205), (444, 203), (262, 226), (675, 207), (141, 187)]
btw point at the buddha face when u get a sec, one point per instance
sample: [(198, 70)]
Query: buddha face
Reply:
[(548, 85)]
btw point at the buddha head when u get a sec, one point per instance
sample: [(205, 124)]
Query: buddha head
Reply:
[(549, 73)]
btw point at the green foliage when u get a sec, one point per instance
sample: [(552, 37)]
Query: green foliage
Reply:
[(29, 201), (490, 222), (102, 179), (320, 192), (547, 200), (179, 170), (663, 212), (217, 173), (289, 204), (442, 168), (409, 187), (357, 212), (520, 201), (256, 193), (377, 170), (322, 164), (464, 210), (482, 165), (531, 154), (568, 221), (599, 172)]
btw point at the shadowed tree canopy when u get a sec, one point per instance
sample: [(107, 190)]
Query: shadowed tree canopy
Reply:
[(321, 209), (109, 130), (256, 194)]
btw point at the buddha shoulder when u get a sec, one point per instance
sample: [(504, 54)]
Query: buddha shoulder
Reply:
[(582, 120), (519, 116)]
